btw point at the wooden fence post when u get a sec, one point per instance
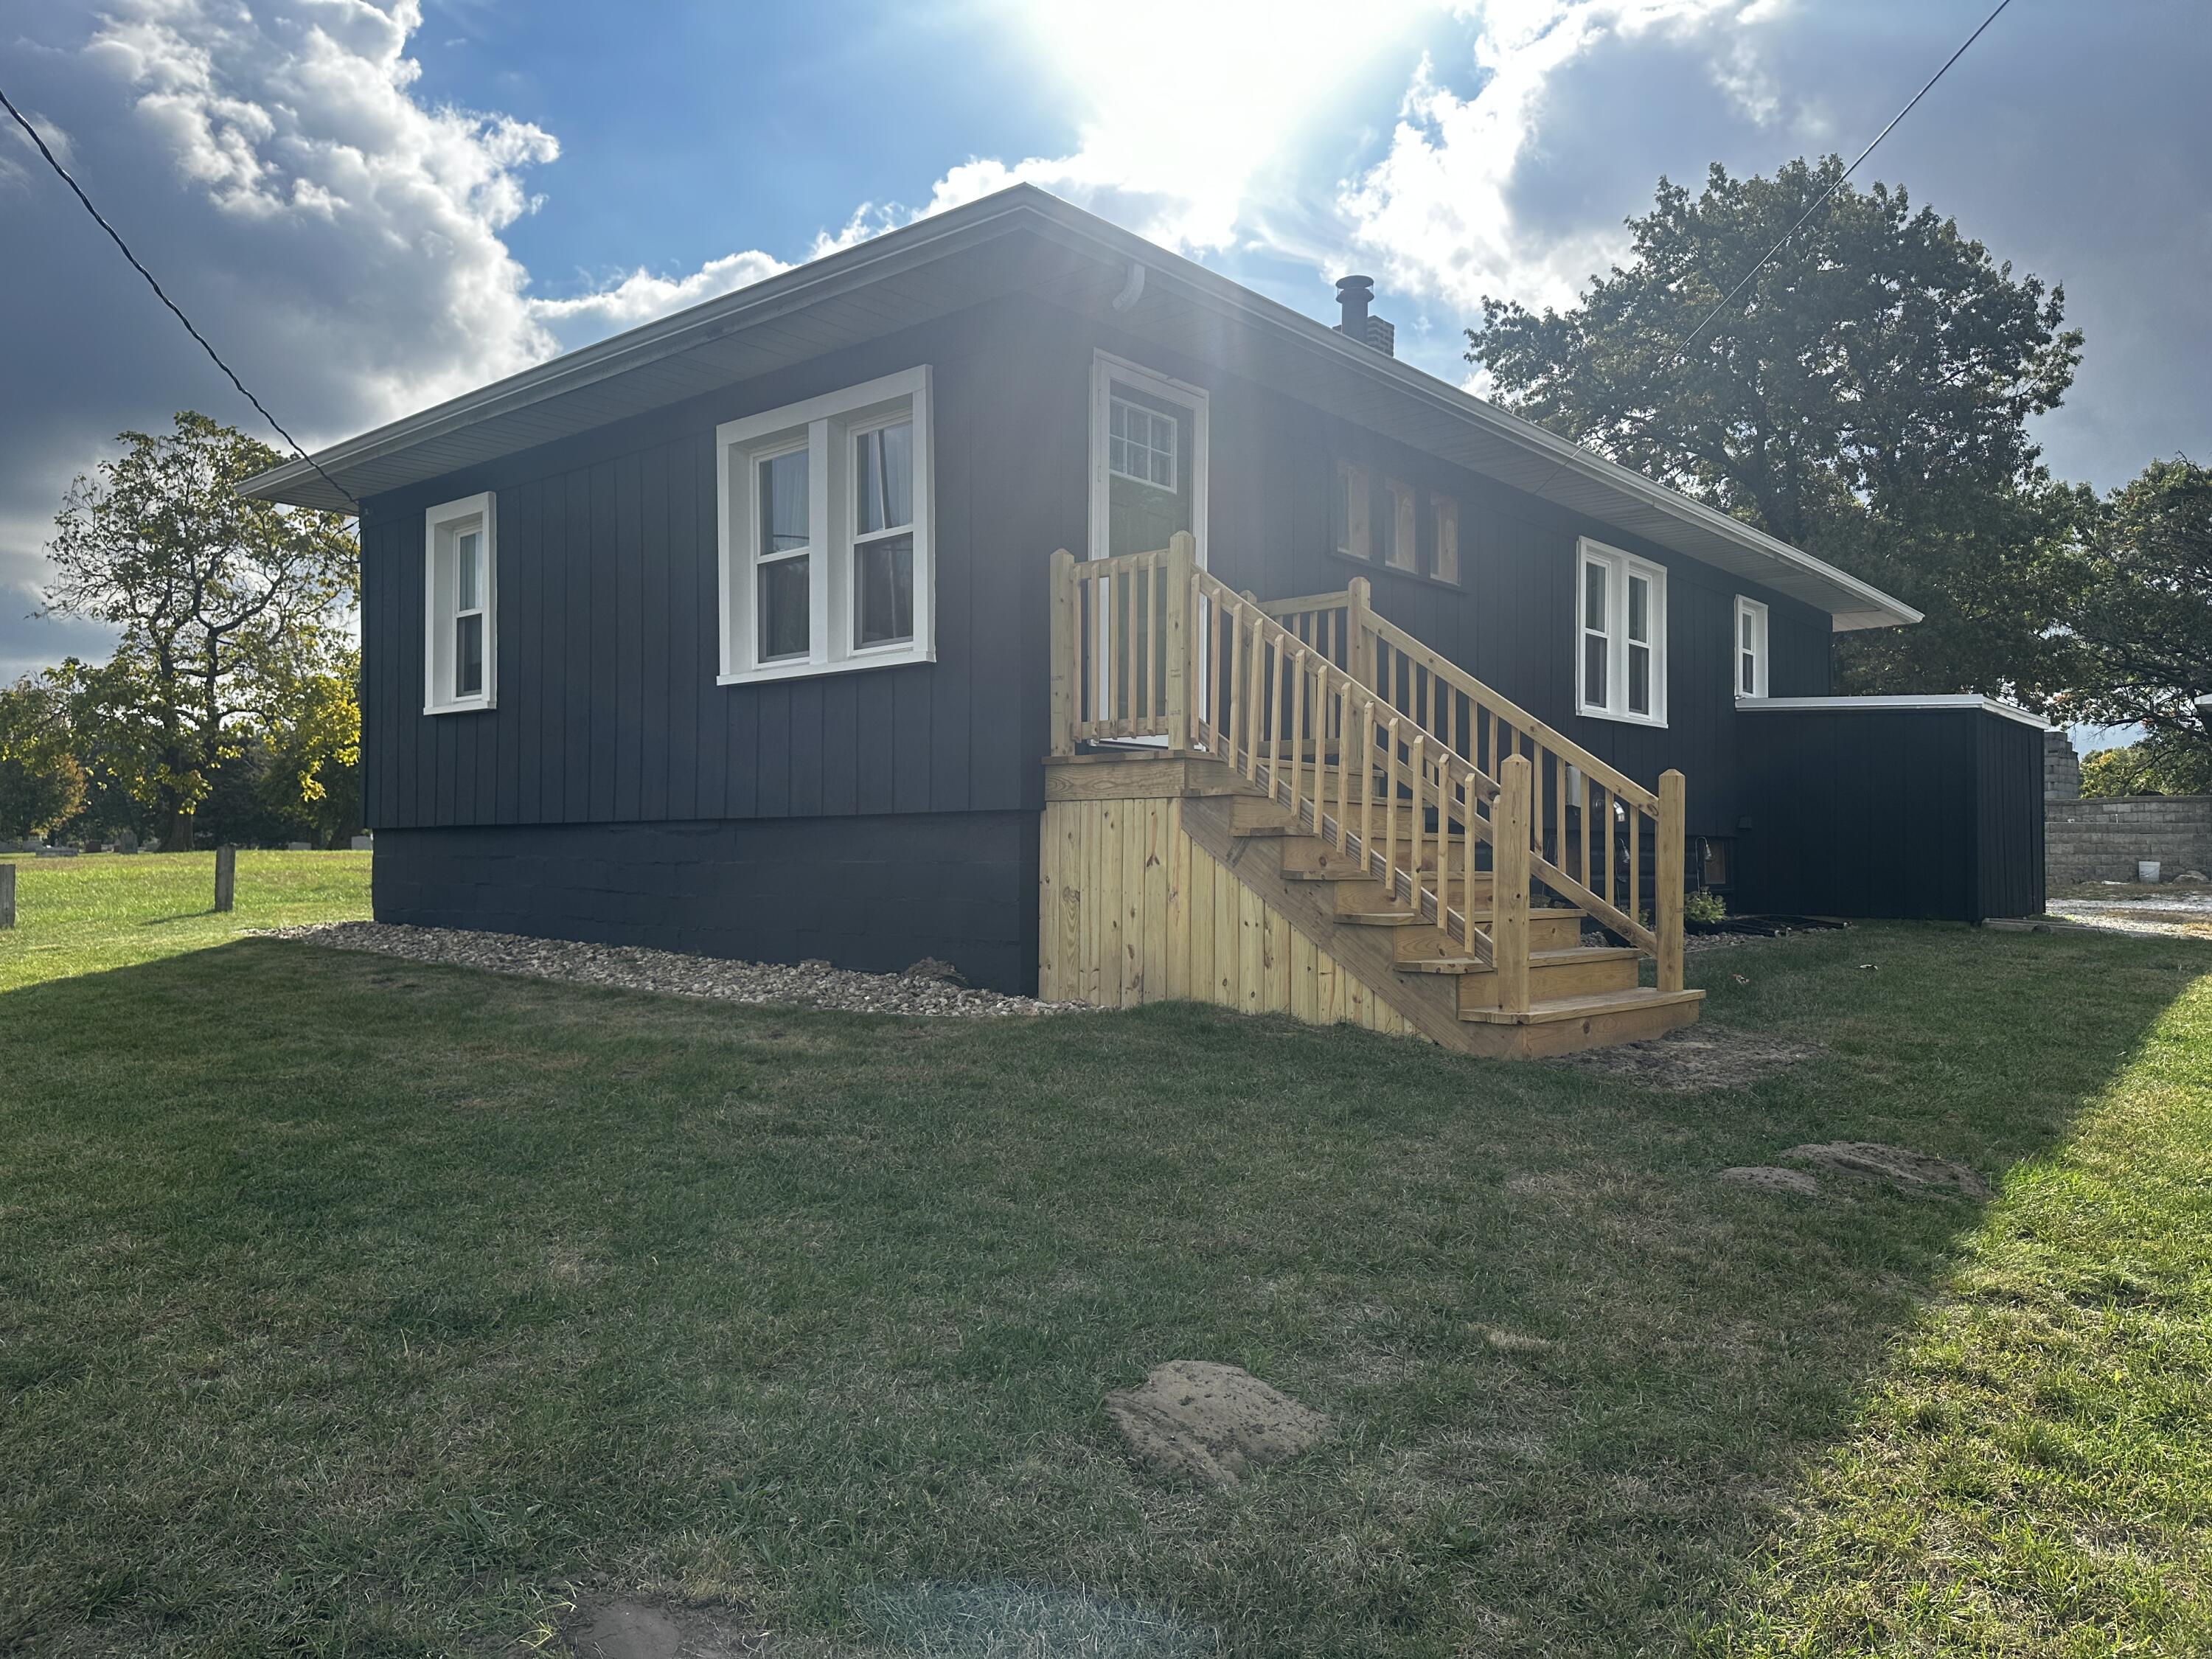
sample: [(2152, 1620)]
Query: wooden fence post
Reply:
[(1065, 659), (1508, 885), (8, 894), (225, 876), (1183, 587), (1670, 850)]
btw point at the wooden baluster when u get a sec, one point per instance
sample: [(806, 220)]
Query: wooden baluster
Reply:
[(1254, 716), (1298, 725), (1416, 759), (1443, 844), (1391, 806), (1560, 809), (1634, 836), (1274, 719), (1063, 652), (1359, 643), (1176, 638), (1343, 766), (1509, 896), (1467, 870), (1670, 849), (1366, 783)]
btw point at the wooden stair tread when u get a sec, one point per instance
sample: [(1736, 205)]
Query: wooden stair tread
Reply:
[(1583, 1006), (1536, 959)]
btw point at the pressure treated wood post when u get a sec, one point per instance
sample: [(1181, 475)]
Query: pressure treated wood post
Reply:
[(1359, 644), (1064, 656), (7, 895), (1667, 903), (1509, 881), (225, 876), (1182, 592)]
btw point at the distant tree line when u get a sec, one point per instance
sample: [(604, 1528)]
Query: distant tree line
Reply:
[(228, 710), (1866, 397)]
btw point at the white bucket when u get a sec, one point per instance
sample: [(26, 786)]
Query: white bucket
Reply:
[(2146, 870)]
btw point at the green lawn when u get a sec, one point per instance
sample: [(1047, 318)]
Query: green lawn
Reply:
[(349, 1306), (109, 910)]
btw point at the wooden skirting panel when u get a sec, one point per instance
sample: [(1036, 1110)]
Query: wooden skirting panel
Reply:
[(1137, 909)]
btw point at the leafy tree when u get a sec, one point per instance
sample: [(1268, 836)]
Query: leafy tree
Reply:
[(2161, 764), (41, 785), (229, 607), (2140, 617), (313, 777), (1864, 399)]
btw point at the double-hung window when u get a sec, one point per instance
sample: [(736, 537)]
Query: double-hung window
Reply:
[(1620, 636), (460, 639), (826, 546), (1401, 522), (1443, 555), (1351, 509), (1750, 648)]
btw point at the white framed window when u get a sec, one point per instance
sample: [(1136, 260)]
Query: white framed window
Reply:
[(1750, 648), (1140, 444), (825, 533), (1443, 550), (1352, 510), (1401, 525), (461, 634), (1620, 636)]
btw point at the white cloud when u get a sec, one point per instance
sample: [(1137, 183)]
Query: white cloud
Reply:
[(1441, 212)]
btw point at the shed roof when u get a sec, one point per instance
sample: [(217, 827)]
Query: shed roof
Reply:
[(1023, 240)]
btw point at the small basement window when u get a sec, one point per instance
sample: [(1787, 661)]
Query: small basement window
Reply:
[(1620, 636), (1750, 648), (826, 553), (460, 636)]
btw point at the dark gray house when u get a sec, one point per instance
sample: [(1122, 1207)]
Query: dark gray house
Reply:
[(743, 632)]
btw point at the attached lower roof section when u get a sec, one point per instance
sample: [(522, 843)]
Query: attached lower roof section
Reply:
[(1023, 240)]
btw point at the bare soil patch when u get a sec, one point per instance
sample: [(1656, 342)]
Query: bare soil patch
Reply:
[(619, 1628), (1699, 1057)]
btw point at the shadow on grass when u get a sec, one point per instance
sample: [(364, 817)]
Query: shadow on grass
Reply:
[(398, 1298)]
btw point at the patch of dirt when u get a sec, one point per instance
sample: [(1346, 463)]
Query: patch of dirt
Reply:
[(1215, 1422), (625, 1628), (1900, 1166), (1766, 1178), (1696, 1057)]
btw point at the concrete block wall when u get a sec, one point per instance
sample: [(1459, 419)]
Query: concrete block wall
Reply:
[(2062, 768), (2102, 839)]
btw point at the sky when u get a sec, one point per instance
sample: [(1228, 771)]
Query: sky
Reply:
[(371, 205)]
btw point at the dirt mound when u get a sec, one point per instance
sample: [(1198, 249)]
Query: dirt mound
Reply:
[(618, 1629), (1899, 1165), (1766, 1178), (1193, 1417)]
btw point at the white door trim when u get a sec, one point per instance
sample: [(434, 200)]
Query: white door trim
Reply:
[(1105, 368)]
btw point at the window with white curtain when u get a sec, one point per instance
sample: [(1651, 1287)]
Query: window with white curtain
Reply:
[(825, 533), (460, 638), (1620, 636), (1750, 648)]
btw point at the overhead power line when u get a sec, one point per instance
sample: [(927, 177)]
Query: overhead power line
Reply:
[(1822, 201), (216, 357)]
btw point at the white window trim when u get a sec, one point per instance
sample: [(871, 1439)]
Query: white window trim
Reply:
[(447, 519), (1619, 566), (830, 423), (1105, 369), (1747, 606)]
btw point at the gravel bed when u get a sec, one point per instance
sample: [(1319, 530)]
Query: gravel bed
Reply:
[(921, 990)]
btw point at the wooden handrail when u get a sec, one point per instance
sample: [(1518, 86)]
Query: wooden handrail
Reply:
[(1312, 699)]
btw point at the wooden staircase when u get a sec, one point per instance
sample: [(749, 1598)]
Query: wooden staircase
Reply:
[(1338, 824)]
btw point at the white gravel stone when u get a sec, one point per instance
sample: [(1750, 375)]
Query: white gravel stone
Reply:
[(809, 985)]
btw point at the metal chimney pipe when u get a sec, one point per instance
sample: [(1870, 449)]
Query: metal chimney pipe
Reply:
[(1352, 293)]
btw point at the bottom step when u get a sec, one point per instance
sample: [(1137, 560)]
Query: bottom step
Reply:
[(1561, 1025)]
